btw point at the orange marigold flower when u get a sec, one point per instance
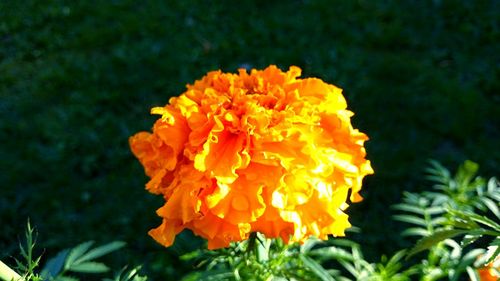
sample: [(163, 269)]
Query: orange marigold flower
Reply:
[(261, 151), (491, 271)]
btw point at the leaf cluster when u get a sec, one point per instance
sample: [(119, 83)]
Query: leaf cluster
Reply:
[(257, 258), (462, 206), (71, 264)]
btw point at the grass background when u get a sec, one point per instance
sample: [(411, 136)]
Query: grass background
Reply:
[(77, 78)]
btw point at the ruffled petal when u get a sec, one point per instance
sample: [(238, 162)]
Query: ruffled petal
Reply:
[(222, 155), (255, 151)]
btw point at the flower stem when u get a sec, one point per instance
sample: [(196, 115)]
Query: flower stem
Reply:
[(259, 245), (7, 274)]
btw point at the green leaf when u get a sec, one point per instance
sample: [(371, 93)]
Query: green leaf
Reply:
[(495, 196), (76, 253), (415, 231), (438, 221), (54, 265), (493, 185), (411, 219), (429, 241), (461, 223), (89, 267), (349, 267), (409, 208), (395, 261), (491, 205), (343, 242), (469, 239), (435, 210), (473, 275), (100, 251), (494, 255), (483, 220), (316, 268), (466, 172), (191, 255), (309, 244), (469, 259), (438, 170), (130, 275), (332, 253)]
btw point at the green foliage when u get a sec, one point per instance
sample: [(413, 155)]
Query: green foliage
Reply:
[(71, 264), (30, 263), (79, 259), (128, 275), (349, 256), (452, 212), (257, 258)]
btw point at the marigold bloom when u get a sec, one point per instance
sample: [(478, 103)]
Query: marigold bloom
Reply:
[(261, 151), (490, 272)]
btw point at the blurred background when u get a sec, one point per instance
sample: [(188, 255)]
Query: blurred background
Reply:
[(77, 78)]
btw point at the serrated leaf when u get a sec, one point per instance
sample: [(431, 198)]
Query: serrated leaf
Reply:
[(23, 251), (429, 241), (76, 253), (316, 268), (89, 267), (100, 251), (54, 265)]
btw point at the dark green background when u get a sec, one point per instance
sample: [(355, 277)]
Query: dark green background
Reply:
[(77, 78)]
